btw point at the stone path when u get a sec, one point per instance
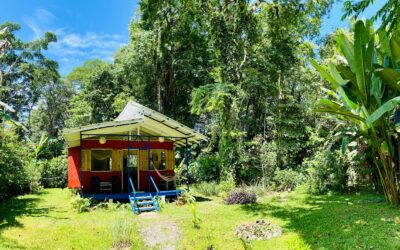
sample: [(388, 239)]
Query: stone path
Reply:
[(157, 232)]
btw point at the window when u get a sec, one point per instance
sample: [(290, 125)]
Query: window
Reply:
[(101, 160), (158, 159)]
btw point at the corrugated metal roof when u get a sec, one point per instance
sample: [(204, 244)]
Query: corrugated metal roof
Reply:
[(133, 117)]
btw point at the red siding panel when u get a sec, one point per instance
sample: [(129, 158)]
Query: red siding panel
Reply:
[(104, 176), (73, 167), (74, 163)]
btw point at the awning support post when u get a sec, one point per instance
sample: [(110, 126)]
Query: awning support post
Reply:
[(80, 165), (148, 163), (187, 163), (127, 163)]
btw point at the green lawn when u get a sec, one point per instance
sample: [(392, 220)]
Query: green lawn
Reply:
[(47, 221)]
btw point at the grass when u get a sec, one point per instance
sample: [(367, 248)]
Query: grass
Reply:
[(353, 221), (46, 220)]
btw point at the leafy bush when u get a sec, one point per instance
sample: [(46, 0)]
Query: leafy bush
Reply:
[(257, 188), (287, 179), (12, 173), (327, 170), (208, 188), (81, 204), (55, 173), (207, 168), (268, 164), (240, 196), (33, 169)]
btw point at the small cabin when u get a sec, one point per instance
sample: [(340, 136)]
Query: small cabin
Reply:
[(133, 153)]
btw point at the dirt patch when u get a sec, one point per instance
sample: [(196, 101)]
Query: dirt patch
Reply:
[(157, 232)]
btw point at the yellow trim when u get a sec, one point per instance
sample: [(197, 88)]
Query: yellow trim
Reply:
[(117, 158), (86, 160)]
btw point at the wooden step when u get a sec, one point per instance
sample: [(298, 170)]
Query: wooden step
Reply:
[(144, 198), (140, 203), (141, 209)]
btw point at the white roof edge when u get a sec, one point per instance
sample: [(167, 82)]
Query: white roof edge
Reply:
[(99, 125), (135, 113), (151, 113)]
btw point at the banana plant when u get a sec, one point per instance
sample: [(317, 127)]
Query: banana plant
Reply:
[(365, 92)]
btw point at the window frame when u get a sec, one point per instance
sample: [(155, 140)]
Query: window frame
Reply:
[(91, 165)]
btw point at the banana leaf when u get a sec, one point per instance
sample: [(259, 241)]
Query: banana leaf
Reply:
[(346, 48), (390, 76), (325, 74), (382, 110), (331, 93), (376, 89), (395, 48), (347, 74), (328, 106), (360, 34)]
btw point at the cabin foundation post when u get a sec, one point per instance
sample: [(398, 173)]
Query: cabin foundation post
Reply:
[(187, 163), (80, 165), (148, 163)]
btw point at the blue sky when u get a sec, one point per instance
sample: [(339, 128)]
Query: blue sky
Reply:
[(89, 29)]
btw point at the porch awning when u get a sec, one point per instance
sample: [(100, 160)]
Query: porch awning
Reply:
[(136, 117)]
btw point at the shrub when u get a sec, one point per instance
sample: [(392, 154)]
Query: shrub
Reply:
[(326, 171), (208, 188), (268, 163), (287, 179), (257, 188), (55, 173), (12, 173), (240, 196), (206, 168), (81, 204), (33, 169)]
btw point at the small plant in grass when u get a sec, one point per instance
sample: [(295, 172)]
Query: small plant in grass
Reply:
[(187, 198), (240, 196), (121, 231), (246, 244), (81, 204)]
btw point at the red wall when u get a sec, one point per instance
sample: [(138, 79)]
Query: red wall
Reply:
[(74, 163), (104, 176), (73, 167)]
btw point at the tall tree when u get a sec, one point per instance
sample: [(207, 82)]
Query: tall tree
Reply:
[(167, 56), (97, 89), (20, 61)]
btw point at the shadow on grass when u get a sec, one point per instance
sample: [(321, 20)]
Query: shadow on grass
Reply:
[(201, 198), (336, 222), (12, 209)]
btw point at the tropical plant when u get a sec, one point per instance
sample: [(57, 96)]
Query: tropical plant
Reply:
[(389, 13), (364, 92)]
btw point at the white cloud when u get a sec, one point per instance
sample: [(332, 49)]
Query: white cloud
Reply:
[(44, 15), (72, 49), (40, 18), (32, 24)]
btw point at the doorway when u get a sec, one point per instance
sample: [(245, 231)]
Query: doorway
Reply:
[(131, 168)]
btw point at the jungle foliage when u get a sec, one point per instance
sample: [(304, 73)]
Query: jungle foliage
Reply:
[(246, 73)]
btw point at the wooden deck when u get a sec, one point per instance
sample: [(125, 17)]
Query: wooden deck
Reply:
[(125, 196)]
